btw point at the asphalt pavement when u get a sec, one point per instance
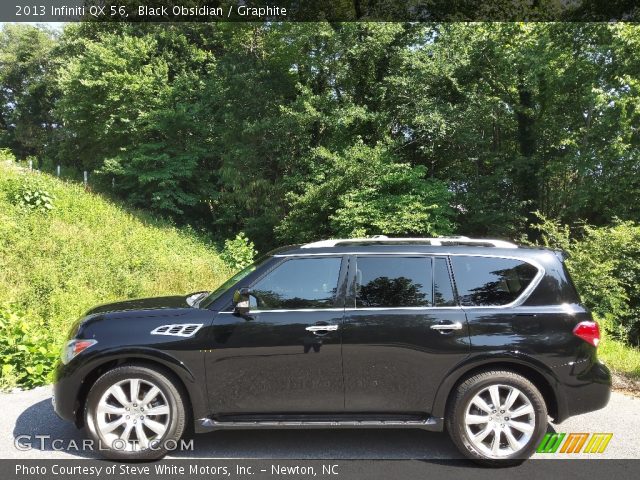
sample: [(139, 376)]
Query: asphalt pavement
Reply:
[(30, 414)]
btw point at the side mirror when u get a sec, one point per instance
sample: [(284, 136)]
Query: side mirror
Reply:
[(241, 301)]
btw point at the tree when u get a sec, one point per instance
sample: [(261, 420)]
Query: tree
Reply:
[(27, 89), (363, 192), (130, 110)]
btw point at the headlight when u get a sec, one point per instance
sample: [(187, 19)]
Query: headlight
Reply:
[(74, 347)]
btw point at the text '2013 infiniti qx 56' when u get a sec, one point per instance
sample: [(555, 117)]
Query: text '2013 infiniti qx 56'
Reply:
[(481, 338)]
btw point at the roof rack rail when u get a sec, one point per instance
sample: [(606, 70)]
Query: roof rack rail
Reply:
[(435, 241)]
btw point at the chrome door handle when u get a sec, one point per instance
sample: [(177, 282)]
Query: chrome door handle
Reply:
[(447, 326), (322, 328)]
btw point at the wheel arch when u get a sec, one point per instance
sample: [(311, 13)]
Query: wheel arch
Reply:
[(543, 379), (193, 402)]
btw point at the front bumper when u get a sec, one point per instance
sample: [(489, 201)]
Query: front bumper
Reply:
[(66, 390)]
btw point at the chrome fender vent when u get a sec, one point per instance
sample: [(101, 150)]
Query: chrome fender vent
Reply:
[(177, 329)]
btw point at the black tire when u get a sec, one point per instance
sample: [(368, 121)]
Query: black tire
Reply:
[(467, 390), (168, 385)]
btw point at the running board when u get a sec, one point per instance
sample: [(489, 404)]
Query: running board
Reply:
[(431, 424)]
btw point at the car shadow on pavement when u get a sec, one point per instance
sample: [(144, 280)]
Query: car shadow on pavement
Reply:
[(40, 428), (321, 444), (389, 444), (39, 420)]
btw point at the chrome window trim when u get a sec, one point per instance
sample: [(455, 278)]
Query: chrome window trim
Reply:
[(303, 310), (559, 308), (355, 309), (525, 293), (517, 302), (350, 309)]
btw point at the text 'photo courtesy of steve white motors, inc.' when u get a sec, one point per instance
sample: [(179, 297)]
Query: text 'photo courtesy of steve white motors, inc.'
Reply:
[(165, 470)]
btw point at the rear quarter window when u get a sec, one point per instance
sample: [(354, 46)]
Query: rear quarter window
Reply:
[(490, 281)]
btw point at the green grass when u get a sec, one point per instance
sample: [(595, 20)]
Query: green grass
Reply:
[(86, 251), (620, 358)]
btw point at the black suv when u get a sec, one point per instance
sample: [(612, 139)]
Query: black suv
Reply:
[(479, 337)]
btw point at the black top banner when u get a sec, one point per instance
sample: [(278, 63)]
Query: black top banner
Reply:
[(318, 10)]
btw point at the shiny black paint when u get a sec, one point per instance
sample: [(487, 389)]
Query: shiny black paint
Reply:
[(123, 334), (378, 362), (394, 362), (271, 364), (155, 306)]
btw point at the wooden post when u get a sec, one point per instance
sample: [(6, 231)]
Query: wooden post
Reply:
[(86, 178), (58, 170), (113, 182), (30, 164)]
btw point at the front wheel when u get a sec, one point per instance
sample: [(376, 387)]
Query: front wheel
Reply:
[(135, 412), (497, 418)]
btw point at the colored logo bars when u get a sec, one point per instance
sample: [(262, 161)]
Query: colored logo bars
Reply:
[(574, 443)]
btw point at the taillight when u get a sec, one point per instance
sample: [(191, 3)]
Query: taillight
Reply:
[(588, 331)]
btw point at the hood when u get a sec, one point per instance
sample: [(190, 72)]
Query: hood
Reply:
[(139, 304)]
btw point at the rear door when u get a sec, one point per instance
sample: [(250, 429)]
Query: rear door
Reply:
[(403, 332)]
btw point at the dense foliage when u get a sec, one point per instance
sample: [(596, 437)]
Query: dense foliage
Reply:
[(605, 266), (55, 264), (296, 131)]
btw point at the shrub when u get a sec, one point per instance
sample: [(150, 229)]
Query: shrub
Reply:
[(27, 351), (6, 155), (32, 195), (604, 263), (239, 252)]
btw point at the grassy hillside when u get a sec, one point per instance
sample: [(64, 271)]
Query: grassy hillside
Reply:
[(56, 263)]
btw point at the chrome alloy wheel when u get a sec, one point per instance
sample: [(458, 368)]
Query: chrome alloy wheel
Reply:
[(499, 421), (131, 414)]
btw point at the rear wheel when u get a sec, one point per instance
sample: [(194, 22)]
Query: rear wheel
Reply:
[(497, 418), (135, 412)]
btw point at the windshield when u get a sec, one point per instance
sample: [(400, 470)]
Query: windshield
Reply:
[(217, 293)]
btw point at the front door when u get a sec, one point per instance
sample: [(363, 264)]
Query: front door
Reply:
[(403, 332), (284, 356)]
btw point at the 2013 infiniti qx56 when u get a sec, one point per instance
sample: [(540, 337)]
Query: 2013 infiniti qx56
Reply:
[(481, 338)]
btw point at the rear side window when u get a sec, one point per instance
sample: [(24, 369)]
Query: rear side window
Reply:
[(486, 281), (299, 283), (393, 282)]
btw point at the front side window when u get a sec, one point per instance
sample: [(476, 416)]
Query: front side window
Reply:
[(488, 281), (393, 282), (299, 283), (218, 292)]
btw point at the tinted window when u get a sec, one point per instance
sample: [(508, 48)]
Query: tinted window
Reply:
[(490, 281), (393, 282), (442, 289), (299, 283)]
